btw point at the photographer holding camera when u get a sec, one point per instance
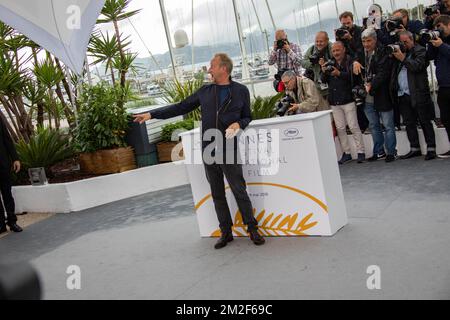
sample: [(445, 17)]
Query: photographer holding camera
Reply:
[(438, 50), (377, 70), (286, 55), (337, 72), (303, 93), (411, 91), (350, 35), (399, 21), (313, 60), (432, 12)]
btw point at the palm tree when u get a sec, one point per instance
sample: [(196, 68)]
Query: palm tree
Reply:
[(115, 11)]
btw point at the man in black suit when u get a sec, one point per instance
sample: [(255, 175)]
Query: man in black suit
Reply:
[(8, 160)]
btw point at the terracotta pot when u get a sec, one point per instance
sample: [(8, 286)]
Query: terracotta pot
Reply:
[(165, 151), (108, 161)]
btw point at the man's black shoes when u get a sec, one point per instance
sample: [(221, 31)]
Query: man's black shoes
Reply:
[(3, 229), (15, 228), (223, 241), (256, 238), (411, 154), (431, 155)]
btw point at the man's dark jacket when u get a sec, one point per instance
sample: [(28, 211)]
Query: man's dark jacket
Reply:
[(214, 116), (340, 88), (441, 57), (416, 64), (8, 152), (381, 69)]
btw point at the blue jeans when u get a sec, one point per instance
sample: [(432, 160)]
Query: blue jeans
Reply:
[(389, 137)]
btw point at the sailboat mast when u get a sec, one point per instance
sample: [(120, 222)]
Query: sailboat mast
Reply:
[(169, 41), (271, 16), (245, 72), (264, 32)]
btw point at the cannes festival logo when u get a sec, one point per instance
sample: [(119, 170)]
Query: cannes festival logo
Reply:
[(291, 133), (273, 222)]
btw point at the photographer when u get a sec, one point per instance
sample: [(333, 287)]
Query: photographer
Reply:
[(315, 57), (399, 21), (432, 12), (285, 55), (350, 35), (338, 74), (410, 90), (439, 50), (304, 94), (377, 70)]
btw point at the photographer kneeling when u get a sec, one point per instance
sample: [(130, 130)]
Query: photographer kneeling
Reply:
[(338, 74), (303, 93), (411, 91)]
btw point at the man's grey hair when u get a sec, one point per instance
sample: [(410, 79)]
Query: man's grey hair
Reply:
[(369, 33), (408, 33), (289, 75)]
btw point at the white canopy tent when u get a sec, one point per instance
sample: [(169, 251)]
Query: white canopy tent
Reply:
[(63, 27)]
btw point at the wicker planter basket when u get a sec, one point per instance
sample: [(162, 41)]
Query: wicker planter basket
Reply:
[(108, 161), (165, 151)]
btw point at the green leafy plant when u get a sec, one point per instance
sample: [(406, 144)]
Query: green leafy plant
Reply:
[(102, 124), (169, 131), (44, 149), (263, 108), (175, 91)]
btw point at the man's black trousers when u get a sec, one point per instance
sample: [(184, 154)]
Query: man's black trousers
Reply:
[(7, 201), (444, 107), (233, 173), (410, 116)]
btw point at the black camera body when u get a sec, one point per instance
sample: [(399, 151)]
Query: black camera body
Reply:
[(393, 24), (341, 33), (284, 105), (316, 56), (359, 94), (329, 66), (396, 47), (434, 9), (428, 35), (281, 43)]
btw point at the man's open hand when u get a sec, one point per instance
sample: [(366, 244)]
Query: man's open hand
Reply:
[(141, 118), (232, 130)]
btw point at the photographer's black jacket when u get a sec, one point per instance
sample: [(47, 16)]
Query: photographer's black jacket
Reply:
[(441, 57), (380, 69), (8, 152), (355, 47), (214, 116), (340, 88), (416, 64)]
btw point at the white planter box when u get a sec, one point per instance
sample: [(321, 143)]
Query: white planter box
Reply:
[(90, 193)]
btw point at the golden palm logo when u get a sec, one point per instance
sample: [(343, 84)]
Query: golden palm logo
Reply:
[(273, 225), (276, 224)]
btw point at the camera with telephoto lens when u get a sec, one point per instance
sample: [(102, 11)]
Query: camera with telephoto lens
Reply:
[(329, 66), (393, 24), (341, 33), (396, 47), (434, 9), (359, 94), (284, 105), (281, 43), (428, 35)]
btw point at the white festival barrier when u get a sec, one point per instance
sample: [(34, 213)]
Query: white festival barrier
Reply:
[(298, 192)]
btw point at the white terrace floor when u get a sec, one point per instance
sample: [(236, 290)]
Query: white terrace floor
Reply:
[(149, 248)]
